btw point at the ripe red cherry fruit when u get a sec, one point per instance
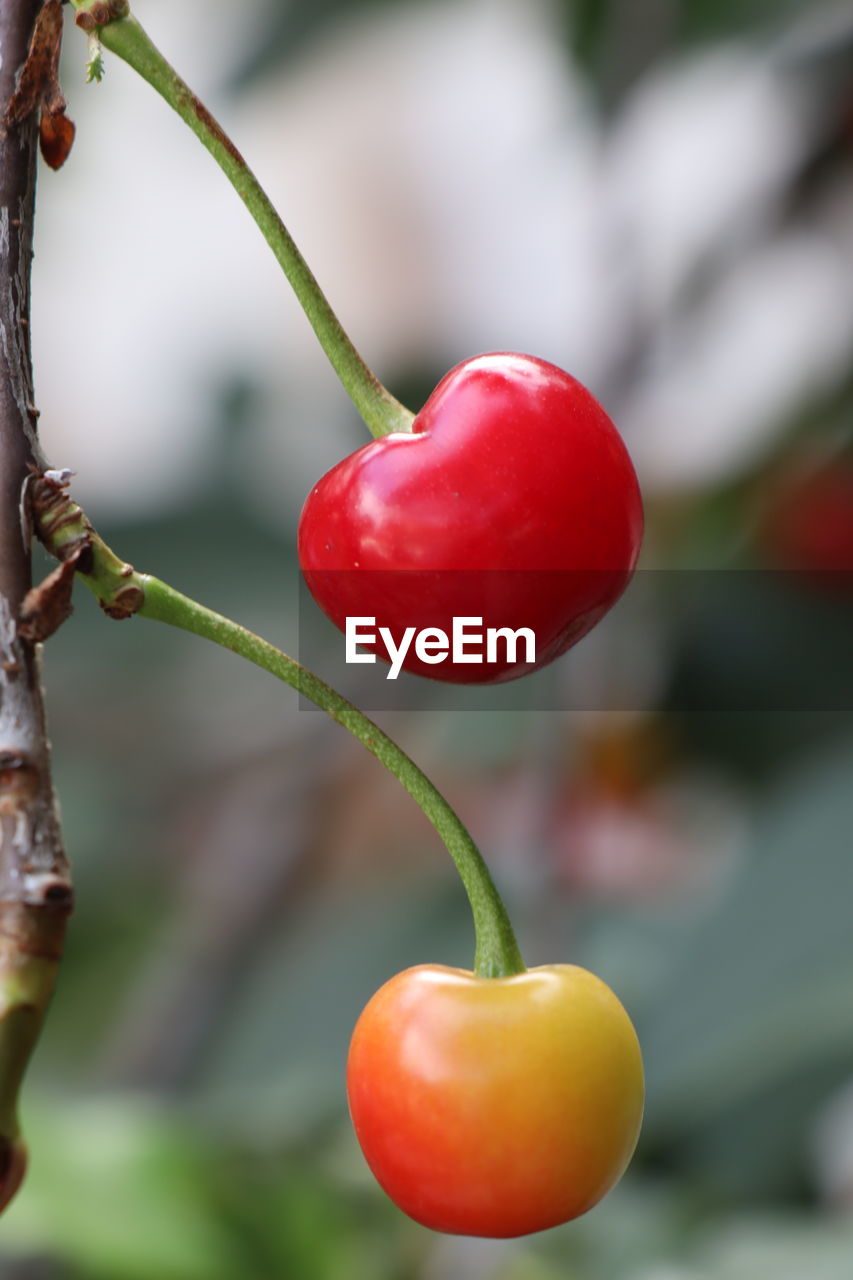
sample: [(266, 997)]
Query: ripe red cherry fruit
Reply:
[(495, 1106), (512, 500)]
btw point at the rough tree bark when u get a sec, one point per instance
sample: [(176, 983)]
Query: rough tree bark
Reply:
[(35, 890)]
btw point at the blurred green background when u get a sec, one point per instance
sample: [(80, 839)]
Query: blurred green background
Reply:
[(658, 196)]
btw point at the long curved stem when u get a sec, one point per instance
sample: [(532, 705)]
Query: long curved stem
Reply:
[(497, 953), (121, 591), (381, 411)]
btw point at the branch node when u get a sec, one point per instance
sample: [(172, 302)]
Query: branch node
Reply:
[(99, 14), (125, 603), (65, 530), (48, 890)]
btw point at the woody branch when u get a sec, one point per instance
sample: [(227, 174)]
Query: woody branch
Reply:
[(35, 891)]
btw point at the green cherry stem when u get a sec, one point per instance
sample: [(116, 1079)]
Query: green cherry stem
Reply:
[(124, 36), (67, 533), (497, 953)]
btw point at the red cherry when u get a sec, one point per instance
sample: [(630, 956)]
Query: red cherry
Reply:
[(512, 500)]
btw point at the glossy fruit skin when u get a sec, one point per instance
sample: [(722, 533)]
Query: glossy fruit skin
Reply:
[(513, 499), (495, 1106)]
